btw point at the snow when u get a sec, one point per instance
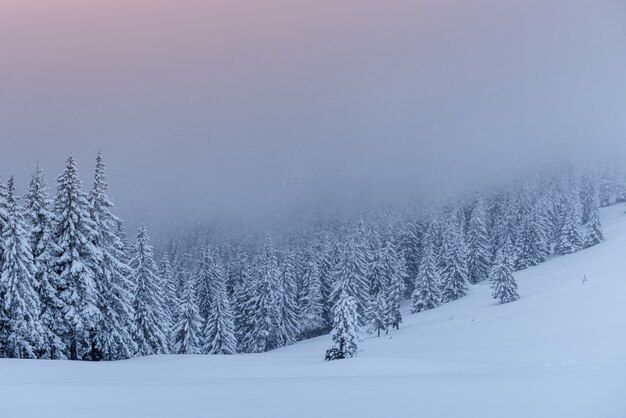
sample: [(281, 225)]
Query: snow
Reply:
[(559, 351)]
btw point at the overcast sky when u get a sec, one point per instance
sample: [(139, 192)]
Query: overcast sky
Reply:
[(213, 109)]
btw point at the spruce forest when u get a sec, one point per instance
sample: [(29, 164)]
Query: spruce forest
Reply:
[(75, 285)]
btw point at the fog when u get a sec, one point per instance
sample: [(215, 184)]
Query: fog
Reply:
[(207, 111)]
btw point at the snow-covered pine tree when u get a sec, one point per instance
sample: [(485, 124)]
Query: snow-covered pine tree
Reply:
[(591, 225), (166, 276), (207, 274), (114, 336), (395, 267), (502, 281), (377, 312), (266, 330), (219, 328), (426, 294), (310, 301), (412, 248), (328, 260), (288, 299), (244, 308), (39, 220), (350, 277), (454, 253), (188, 324), (570, 238), (531, 243), (151, 319), (478, 242), (76, 261), (25, 335), (345, 332), (3, 216)]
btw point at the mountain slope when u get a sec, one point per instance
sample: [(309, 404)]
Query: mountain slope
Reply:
[(560, 351)]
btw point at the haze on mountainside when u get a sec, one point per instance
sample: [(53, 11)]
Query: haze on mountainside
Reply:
[(234, 109)]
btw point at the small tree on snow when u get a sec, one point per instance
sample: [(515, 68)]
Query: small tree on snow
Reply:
[(345, 329), (502, 281)]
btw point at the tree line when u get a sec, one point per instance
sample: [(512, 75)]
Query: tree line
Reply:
[(72, 287)]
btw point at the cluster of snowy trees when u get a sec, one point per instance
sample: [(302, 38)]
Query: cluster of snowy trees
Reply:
[(71, 287)]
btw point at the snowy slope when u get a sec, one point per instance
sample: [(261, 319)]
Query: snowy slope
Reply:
[(560, 351)]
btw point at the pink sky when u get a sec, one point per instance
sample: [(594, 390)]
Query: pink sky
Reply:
[(273, 99)]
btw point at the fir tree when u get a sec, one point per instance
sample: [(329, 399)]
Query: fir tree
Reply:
[(478, 241), (150, 311), (531, 242), (220, 329), (76, 261), (502, 281), (427, 294), (266, 332), (592, 228), (310, 301), (207, 274), (115, 329), (244, 310), (350, 276), (377, 313), (454, 272), (345, 328), (570, 237), (288, 300), (40, 220), (395, 269), (188, 324), (166, 276), (25, 334)]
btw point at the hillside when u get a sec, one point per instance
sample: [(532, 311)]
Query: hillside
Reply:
[(560, 351)]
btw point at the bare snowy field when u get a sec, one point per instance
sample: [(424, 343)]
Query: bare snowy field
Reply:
[(560, 351)]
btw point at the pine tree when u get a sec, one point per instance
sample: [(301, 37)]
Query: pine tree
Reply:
[(25, 334), (570, 237), (288, 300), (244, 309), (592, 227), (502, 281), (266, 332), (310, 302), (454, 272), (345, 328), (40, 220), (115, 329), (351, 278), (188, 324), (220, 328), (412, 248), (207, 274), (531, 242), (479, 251), (328, 260), (166, 276), (394, 266), (427, 294), (150, 310), (377, 313), (76, 262)]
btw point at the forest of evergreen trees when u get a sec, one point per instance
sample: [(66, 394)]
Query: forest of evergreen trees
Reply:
[(72, 287)]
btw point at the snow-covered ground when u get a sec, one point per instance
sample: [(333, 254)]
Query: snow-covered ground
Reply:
[(560, 351)]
